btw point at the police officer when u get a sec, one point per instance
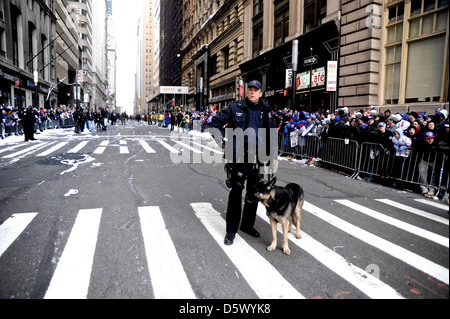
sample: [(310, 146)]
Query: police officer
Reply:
[(251, 115), (28, 121)]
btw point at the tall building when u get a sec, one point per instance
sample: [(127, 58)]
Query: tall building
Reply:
[(170, 42), (27, 43), (91, 19), (148, 59), (97, 95), (68, 49), (111, 74), (351, 53)]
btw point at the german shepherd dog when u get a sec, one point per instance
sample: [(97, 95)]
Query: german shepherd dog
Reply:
[(284, 205)]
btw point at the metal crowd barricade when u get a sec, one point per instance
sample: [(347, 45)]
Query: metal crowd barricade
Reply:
[(340, 152), (428, 170), (306, 147), (375, 160), (425, 169)]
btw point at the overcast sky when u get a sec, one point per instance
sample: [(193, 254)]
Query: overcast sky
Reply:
[(126, 14)]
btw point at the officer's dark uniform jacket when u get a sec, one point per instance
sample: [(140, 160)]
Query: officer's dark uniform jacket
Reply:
[(237, 116)]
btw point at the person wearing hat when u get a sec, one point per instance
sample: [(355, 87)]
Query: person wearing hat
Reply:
[(243, 165), (427, 152)]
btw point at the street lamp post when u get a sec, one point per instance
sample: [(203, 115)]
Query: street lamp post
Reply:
[(36, 80), (294, 70)]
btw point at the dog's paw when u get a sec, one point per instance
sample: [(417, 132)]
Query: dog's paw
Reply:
[(271, 247), (298, 236), (286, 250)]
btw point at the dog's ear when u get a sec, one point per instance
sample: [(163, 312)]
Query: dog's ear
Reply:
[(273, 181)]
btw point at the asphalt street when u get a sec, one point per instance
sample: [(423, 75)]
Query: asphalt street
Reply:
[(133, 213)]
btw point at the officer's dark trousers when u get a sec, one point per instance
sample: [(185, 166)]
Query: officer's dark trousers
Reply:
[(250, 174)]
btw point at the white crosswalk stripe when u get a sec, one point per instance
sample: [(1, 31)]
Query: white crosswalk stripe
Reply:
[(265, 280), (392, 249), (167, 146), (397, 223), (53, 149), (432, 203), (27, 151), (166, 271), (78, 148), (12, 228), (72, 275), (103, 147), (147, 147), (416, 211), (368, 284), (168, 275)]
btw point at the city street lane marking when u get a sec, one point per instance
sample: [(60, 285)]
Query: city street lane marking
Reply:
[(169, 280), (78, 148), (147, 147), (193, 149), (101, 149), (441, 240), (396, 251), (262, 277), (25, 151), (124, 150), (414, 210), (53, 149), (72, 275), (368, 284), (12, 228), (167, 146), (208, 148), (11, 148), (431, 203)]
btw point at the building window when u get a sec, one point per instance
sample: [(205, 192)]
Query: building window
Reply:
[(423, 51), (424, 74), (257, 39), (393, 54), (315, 11), (281, 27), (257, 6), (213, 64), (226, 57)]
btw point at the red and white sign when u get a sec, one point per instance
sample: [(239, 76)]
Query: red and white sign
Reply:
[(318, 77), (80, 75), (332, 69)]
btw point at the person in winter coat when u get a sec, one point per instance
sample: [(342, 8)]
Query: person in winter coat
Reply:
[(288, 129), (371, 131), (90, 117), (250, 115), (166, 120), (402, 145), (428, 154), (28, 120), (354, 131)]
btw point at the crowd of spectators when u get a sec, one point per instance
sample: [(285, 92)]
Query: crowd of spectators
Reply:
[(397, 134), (10, 123), (366, 126)]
